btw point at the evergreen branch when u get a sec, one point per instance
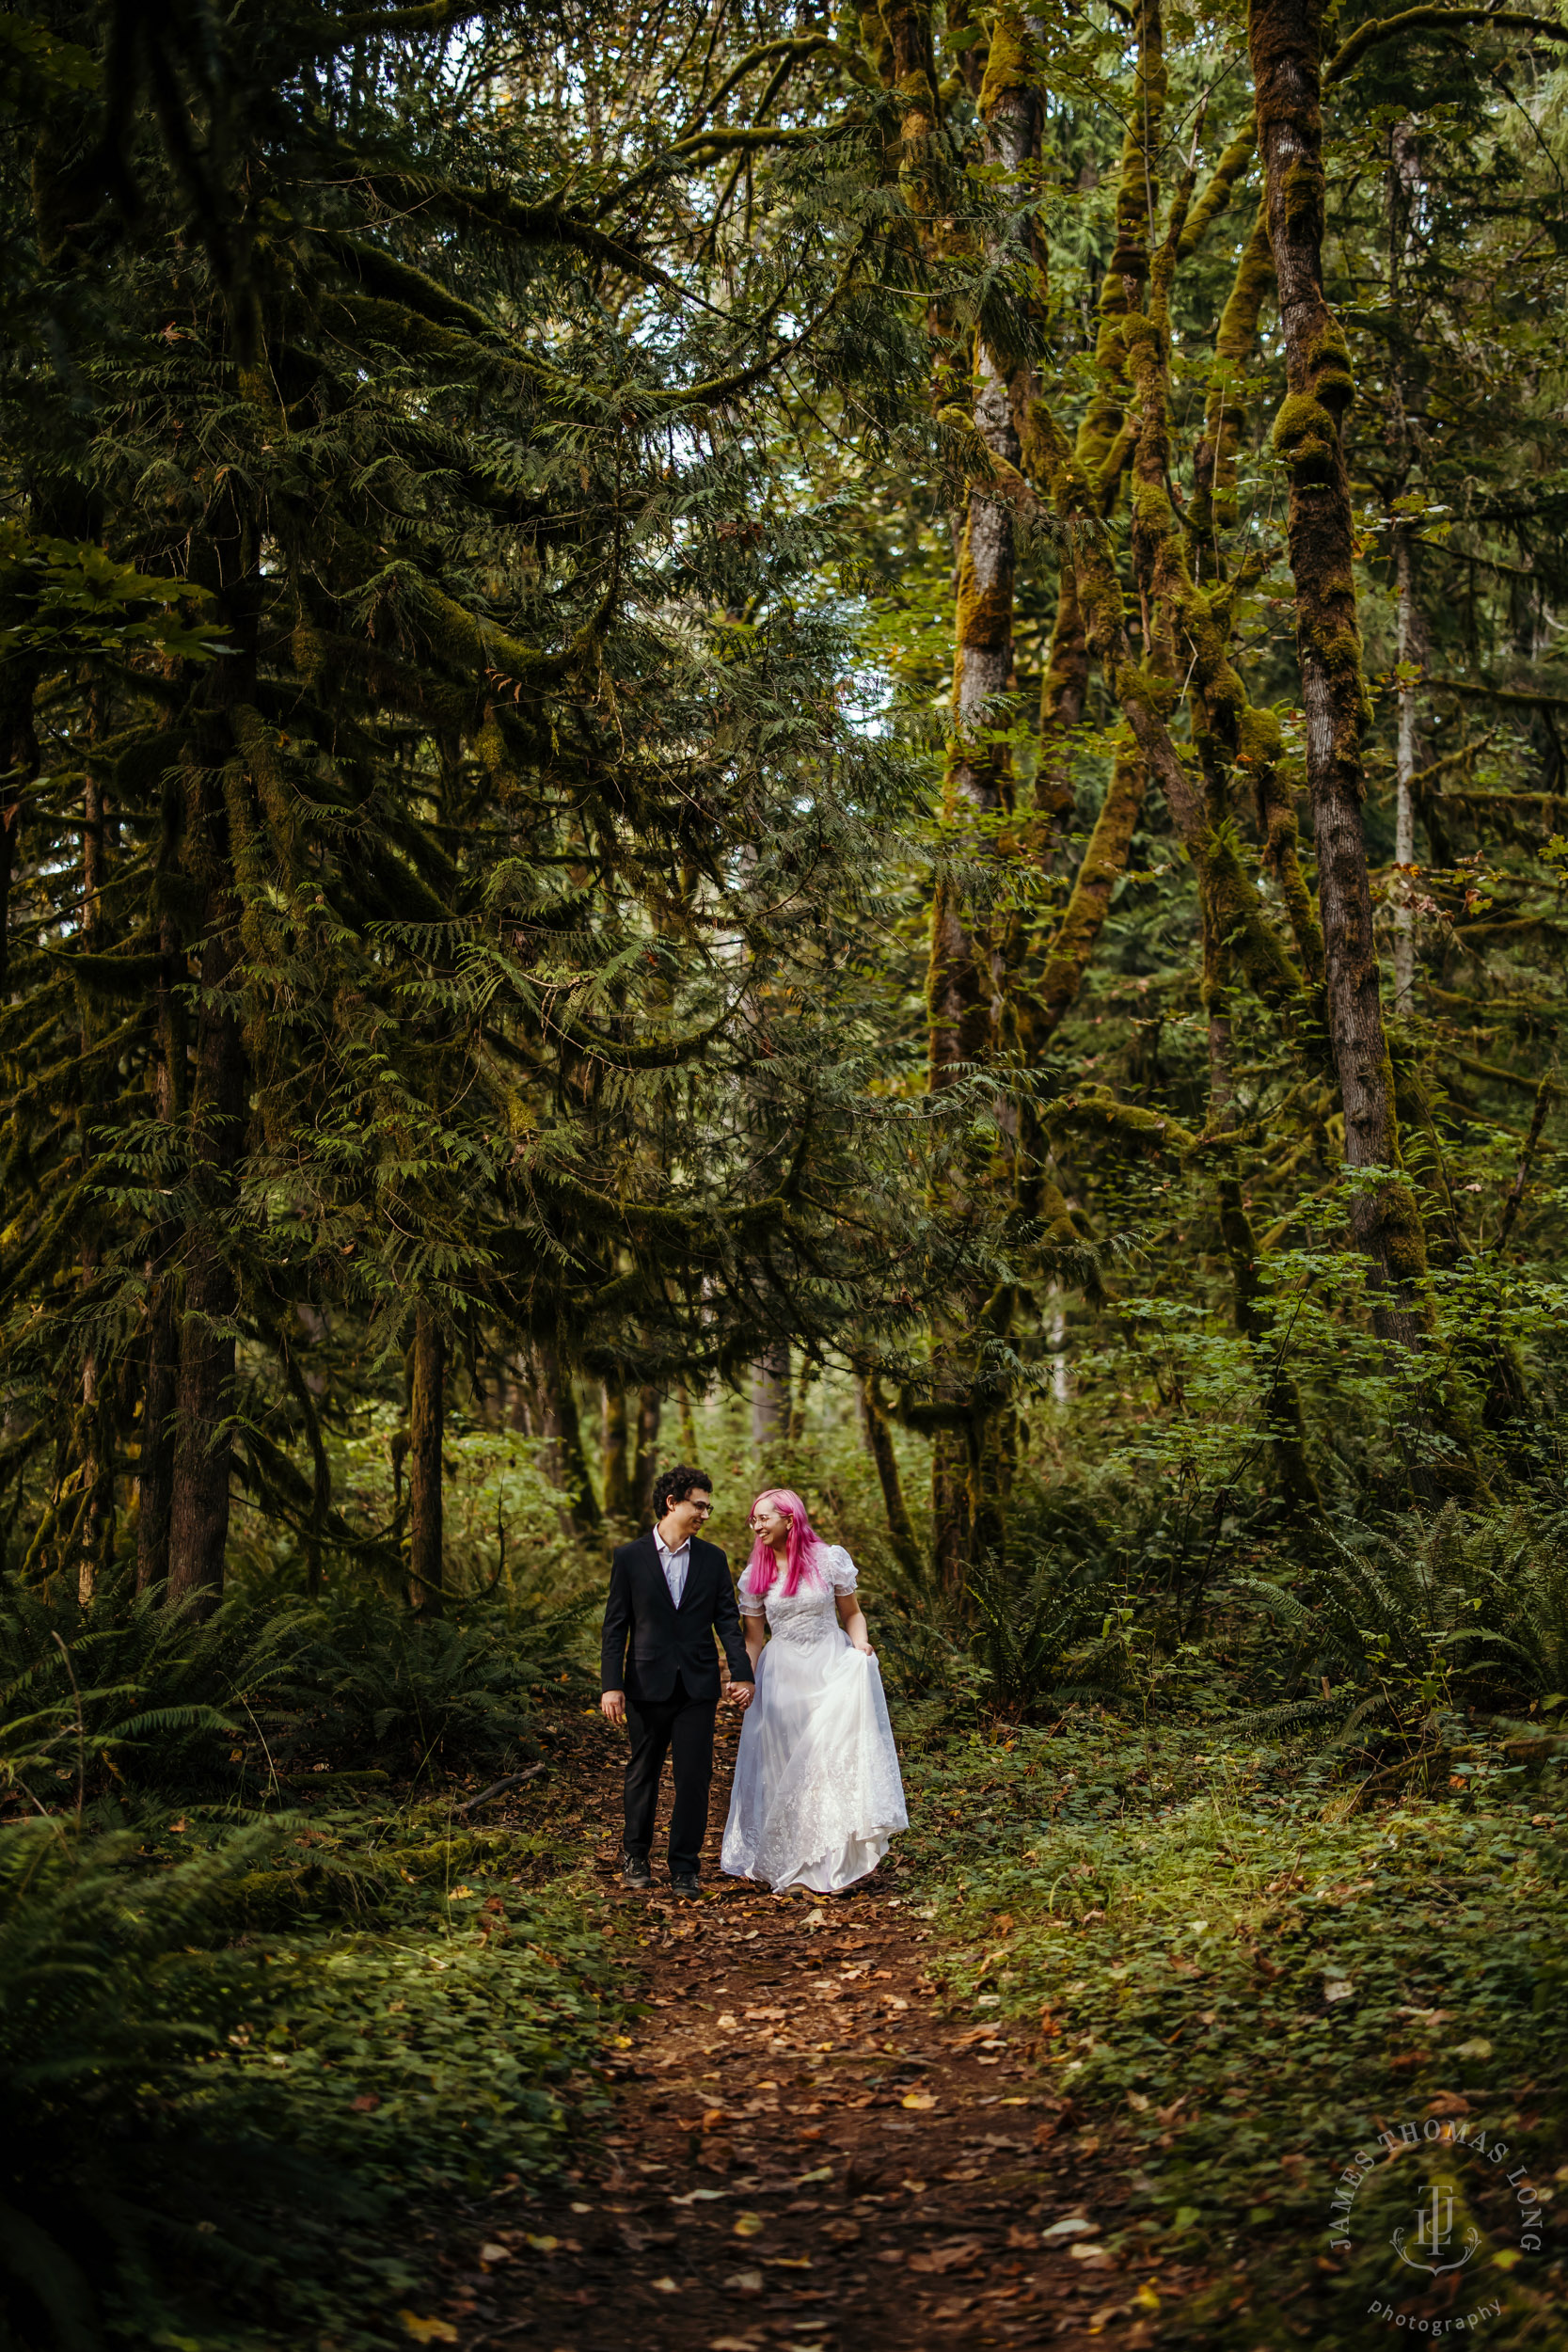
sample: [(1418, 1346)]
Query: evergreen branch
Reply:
[(1434, 20), (548, 223)]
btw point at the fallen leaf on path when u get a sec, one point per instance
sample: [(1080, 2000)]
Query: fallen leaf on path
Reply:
[(743, 2283), (543, 2244), (958, 2255), (974, 2034), (692, 2196), (428, 2330), (1146, 2298), (1081, 2253), (665, 2286), (1072, 2225), (1448, 2103), (749, 2225), (917, 2098), (495, 2253)]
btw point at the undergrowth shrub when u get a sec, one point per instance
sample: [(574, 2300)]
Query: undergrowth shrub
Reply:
[(229, 2056)]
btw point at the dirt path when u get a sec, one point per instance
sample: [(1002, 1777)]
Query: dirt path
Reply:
[(809, 2150)]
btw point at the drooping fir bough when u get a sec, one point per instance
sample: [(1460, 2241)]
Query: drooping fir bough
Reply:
[(680, 686)]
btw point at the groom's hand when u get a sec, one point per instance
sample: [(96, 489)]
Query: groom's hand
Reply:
[(741, 1694), (612, 1706)]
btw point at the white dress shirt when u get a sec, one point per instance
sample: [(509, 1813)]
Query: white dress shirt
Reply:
[(674, 1564)]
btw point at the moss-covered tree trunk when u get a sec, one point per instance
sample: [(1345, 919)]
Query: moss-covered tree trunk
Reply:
[(1285, 38), (565, 1428), (770, 1398), (615, 1453), (879, 1437), (205, 1380), (650, 1407), (156, 1436), (426, 1423)]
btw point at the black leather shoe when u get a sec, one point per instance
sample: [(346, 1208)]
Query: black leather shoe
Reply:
[(635, 1872), (687, 1884)]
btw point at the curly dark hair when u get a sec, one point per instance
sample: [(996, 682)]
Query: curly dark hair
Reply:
[(675, 1486)]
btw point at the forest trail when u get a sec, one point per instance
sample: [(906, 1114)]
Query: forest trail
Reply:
[(808, 2150)]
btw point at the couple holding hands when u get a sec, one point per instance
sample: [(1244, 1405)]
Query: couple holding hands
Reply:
[(817, 1793)]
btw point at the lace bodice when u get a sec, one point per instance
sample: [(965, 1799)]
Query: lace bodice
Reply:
[(811, 1614)]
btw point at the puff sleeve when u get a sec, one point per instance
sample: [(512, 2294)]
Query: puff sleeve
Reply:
[(746, 1600), (841, 1570)]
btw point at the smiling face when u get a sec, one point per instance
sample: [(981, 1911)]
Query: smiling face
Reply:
[(771, 1525), (685, 1518)]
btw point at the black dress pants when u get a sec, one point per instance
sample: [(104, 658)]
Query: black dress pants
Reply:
[(681, 1728)]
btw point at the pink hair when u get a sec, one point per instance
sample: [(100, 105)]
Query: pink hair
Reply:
[(804, 1545)]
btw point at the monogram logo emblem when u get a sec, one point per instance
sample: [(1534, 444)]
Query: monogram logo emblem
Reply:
[(1435, 2235)]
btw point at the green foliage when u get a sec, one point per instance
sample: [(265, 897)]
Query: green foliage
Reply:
[(1213, 1954), (428, 1697), (1428, 1610), (213, 2131)]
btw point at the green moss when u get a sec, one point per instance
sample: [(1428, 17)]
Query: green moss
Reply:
[(1307, 437), (1008, 61)]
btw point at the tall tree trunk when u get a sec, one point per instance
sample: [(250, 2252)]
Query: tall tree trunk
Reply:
[(649, 1407), (1412, 658), (155, 1450), (426, 1426), (689, 1426), (565, 1429), (614, 1453), (951, 1520), (770, 1398), (98, 1444), (1285, 38), (879, 1437), (220, 812), (204, 1383)]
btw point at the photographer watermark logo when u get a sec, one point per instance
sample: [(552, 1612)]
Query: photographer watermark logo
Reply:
[(1480, 2209), (1435, 2235)]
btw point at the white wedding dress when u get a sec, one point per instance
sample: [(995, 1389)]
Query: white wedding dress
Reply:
[(817, 1792)]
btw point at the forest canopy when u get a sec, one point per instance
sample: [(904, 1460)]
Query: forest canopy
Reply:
[(694, 692), (828, 744)]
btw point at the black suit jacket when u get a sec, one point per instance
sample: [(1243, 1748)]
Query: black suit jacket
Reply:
[(664, 1641)]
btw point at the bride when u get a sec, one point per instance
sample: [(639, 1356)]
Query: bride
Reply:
[(817, 1794)]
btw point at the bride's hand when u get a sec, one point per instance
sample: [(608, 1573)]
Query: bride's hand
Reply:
[(865, 1649)]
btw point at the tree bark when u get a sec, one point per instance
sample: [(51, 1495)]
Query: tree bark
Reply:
[(649, 1408), (565, 1428), (155, 1444), (204, 1382), (770, 1397), (1285, 38), (614, 1453), (878, 1435), (426, 1424), (1412, 655)]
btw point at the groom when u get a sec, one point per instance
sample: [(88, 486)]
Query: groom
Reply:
[(669, 1592)]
